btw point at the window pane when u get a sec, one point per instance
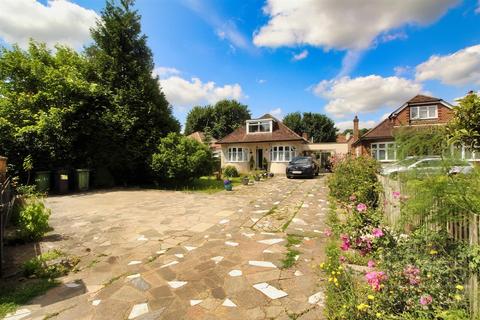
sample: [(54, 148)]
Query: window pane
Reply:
[(381, 146), (234, 154), (423, 112), (432, 110), (381, 154), (374, 154), (391, 154), (414, 112), (253, 127), (468, 154), (230, 154), (265, 127), (287, 154)]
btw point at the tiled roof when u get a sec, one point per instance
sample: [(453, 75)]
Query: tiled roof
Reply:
[(280, 132), (422, 99), (382, 130), (342, 138)]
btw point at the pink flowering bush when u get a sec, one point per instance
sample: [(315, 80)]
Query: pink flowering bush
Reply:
[(375, 279), (354, 179)]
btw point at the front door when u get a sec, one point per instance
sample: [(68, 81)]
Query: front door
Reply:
[(259, 160)]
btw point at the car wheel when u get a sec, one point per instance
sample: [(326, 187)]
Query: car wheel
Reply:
[(289, 177)]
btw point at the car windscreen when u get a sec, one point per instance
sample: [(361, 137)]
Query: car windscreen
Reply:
[(300, 161)]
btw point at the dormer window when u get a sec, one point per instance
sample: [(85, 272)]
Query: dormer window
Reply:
[(423, 112), (259, 126)]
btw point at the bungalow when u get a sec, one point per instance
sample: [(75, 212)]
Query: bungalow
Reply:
[(420, 111), (267, 143)]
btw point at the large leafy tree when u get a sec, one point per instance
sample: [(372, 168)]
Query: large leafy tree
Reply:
[(220, 120), (464, 128), (139, 113), (47, 107), (319, 127)]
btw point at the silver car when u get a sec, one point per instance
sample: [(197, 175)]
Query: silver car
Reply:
[(427, 164)]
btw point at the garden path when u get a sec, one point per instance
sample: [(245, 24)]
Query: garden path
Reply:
[(149, 254)]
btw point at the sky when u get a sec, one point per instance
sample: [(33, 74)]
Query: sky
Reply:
[(337, 57)]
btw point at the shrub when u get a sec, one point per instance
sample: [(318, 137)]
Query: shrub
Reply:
[(355, 177), (181, 158), (49, 265), (32, 220), (230, 171)]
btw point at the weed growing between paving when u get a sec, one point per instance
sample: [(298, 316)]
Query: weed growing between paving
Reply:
[(290, 257)]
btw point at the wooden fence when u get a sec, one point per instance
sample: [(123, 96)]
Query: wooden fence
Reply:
[(7, 199), (465, 229)]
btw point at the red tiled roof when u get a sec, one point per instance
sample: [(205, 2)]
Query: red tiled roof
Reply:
[(382, 130), (422, 99), (280, 132), (342, 138)]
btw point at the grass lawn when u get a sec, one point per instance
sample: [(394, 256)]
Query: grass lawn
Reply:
[(14, 295), (204, 184)]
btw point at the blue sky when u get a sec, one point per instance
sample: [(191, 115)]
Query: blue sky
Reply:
[(352, 57)]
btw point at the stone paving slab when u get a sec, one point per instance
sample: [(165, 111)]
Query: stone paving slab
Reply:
[(147, 254)]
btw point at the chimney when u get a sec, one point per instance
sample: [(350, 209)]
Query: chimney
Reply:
[(355, 128), (305, 136)]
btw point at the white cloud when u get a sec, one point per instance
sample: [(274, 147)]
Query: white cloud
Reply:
[(300, 56), (344, 125), (277, 113), (184, 94), (459, 68), (262, 81), (365, 94), (478, 8), (402, 70), (341, 24), (163, 72), (349, 62), (57, 22), (394, 36)]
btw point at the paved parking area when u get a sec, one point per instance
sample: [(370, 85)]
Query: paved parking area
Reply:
[(149, 254)]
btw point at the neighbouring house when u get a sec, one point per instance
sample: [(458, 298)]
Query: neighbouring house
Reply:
[(214, 146), (267, 143), (420, 111)]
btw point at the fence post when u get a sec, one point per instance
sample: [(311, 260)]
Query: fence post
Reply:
[(474, 295), (3, 169)]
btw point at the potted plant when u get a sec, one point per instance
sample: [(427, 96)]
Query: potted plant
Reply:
[(256, 176), (245, 180), (227, 184)]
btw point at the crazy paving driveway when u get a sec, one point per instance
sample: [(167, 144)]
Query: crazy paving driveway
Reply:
[(148, 254)]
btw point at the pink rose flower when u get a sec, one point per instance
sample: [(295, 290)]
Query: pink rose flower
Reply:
[(361, 207), (396, 194), (426, 300), (353, 197), (371, 264), (342, 259), (377, 232), (327, 232), (345, 242), (375, 279)]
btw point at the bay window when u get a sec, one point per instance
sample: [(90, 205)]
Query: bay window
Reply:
[(384, 151), (236, 154), (282, 153)]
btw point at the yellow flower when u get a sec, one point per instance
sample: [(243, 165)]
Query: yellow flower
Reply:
[(340, 268), (433, 252), (459, 287), (322, 265), (362, 306), (429, 275), (370, 297), (333, 272), (457, 297), (379, 315), (344, 306)]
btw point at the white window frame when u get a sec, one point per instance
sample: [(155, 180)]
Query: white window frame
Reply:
[(259, 123), (282, 153), (428, 112), (375, 150), (237, 154), (475, 154)]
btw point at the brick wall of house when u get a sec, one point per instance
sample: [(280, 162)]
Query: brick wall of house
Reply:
[(444, 115)]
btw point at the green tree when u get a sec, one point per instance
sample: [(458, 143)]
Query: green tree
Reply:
[(318, 126), (464, 128), (42, 95), (361, 132), (138, 114), (222, 118), (180, 158)]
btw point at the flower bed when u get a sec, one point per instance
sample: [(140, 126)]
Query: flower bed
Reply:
[(416, 276)]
